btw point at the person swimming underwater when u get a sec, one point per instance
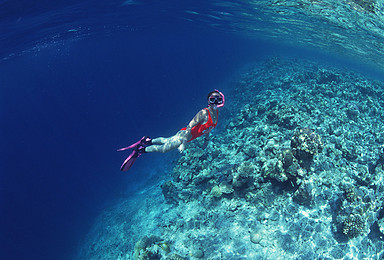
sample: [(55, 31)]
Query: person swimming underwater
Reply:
[(202, 124)]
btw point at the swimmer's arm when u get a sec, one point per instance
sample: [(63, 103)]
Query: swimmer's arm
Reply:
[(199, 118)]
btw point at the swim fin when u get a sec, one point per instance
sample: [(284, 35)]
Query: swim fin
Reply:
[(131, 146), (143, 141), (127, 164), (139, 149)]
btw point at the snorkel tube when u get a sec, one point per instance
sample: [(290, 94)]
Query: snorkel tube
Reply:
[(222, 104)]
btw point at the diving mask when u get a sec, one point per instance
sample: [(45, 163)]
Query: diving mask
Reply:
[(217, 100)]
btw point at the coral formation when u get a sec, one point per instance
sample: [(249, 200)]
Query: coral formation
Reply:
[(269, 186), (218, 190), (366, 5), (353, 226), (305, 144), (380, 224), (149, 248)]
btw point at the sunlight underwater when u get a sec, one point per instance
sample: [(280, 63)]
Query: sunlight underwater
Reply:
[(294, 169)]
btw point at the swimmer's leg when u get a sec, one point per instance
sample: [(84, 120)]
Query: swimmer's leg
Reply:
[(163, 145), (159, 140)]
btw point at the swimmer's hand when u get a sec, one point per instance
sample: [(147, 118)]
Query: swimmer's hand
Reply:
[(181, 147)]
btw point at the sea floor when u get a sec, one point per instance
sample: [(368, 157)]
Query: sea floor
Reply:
[(295, 171)]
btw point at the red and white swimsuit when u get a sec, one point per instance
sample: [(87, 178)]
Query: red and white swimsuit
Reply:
[(201, 129)]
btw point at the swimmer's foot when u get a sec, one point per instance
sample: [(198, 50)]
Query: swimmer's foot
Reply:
[(146, 141), (138, 149)]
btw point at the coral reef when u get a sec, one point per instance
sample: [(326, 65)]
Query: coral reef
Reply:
[(353, 226), (305, 144), (150, 248), (292, 172)]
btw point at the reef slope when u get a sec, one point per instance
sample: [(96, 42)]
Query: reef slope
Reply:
[(294, 172)]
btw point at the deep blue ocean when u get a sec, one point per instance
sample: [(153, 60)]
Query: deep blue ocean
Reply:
[(80, 79)]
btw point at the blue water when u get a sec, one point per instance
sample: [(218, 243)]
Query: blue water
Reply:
[(80, 79)]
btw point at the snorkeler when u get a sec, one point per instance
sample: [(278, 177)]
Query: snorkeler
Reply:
[(202, 124)]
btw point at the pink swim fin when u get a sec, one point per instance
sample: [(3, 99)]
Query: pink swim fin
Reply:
[(138, 149), (131, 146), (127, 164)]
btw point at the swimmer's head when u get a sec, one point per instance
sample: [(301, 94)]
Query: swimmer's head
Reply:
[(216, 98)]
